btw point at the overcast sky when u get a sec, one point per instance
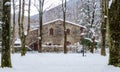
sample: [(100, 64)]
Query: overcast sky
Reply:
[(47, 5)]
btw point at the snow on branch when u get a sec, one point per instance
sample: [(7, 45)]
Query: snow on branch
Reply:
[(82, 34), (92, 30), (89, 39), (25, 33), (1, 22), (7, 3), (110, 3), (105, 17)]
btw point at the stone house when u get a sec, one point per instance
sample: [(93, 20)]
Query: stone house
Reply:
[(53, 34)]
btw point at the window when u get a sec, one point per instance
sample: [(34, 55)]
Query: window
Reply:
[(81, 29), (51, 31), (68, 43), (68, 31)]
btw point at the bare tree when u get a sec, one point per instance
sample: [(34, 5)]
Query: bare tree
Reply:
[(23, 36), (14, 25), (41, 4), (64, 25), (29, 4), (90, 18), (92, 23), (104, 5), (6, 23), (19, 18), (22, 31)]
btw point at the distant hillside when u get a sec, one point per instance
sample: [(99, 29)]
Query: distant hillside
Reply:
[(73, 12), (56, 13)]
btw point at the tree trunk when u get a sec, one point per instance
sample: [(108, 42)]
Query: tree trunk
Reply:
[(65, 36), (23, 49), (41, 4), (19, 18), (40, 35), (13, 32), (64, 25), (92, 45), (6, 57), (103, 26), (114, 28), (29, 16), (93, 37)]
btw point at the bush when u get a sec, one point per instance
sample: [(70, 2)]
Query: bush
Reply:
[(87, 42)]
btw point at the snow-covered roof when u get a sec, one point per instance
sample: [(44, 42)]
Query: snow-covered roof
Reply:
[(34, 29), (25, 32), (52, 21), (65, 21)]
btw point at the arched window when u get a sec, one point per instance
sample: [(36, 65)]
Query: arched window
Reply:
[(51, 31), (68, 31)]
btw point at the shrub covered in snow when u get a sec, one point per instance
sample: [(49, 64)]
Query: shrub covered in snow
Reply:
[(87, 42)]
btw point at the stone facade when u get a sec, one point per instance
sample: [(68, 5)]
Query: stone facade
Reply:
[(53, 32), (32, 37)]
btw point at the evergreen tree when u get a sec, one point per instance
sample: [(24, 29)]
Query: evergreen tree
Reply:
[(6, 57)]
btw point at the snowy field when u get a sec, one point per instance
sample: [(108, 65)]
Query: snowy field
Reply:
[(53, 62)]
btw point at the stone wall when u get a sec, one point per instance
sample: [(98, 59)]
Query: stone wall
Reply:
[(58, 34), (32, 37)]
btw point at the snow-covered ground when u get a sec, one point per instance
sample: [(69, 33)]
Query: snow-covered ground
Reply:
[(59, 62)]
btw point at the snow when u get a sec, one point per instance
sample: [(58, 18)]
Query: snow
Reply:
[(1, 22), (97, 41), (82, 34), (65, 21), (17, 41), (105, 17), (110, 3), (25, 33), (54, 46), (39, 38), (92, 30), (53, 62), (36, 26), (8, 3), (34, 29), (89, 39)]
